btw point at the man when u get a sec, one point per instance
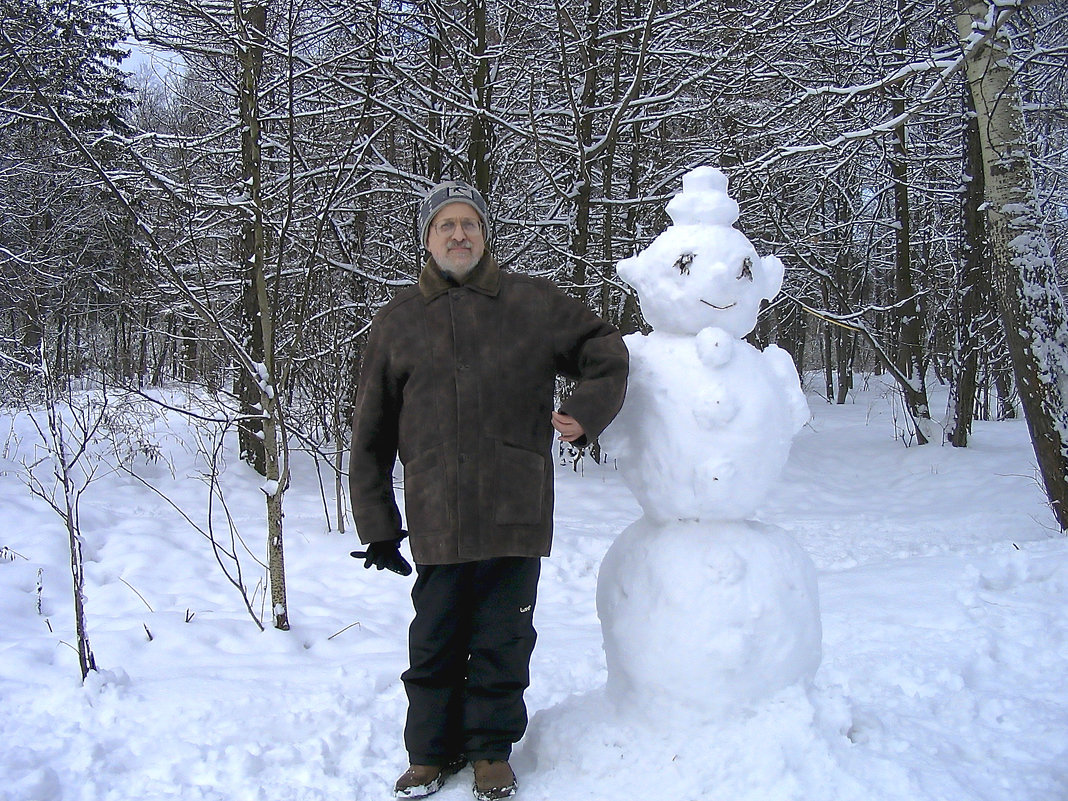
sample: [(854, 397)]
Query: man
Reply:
[(458, 379)]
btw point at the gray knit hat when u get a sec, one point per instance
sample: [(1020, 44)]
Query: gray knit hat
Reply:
[(450, 192)]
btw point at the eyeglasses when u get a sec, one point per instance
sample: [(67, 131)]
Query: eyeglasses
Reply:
[(448, 227)]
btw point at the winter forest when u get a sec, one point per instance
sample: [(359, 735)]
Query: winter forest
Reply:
[(204, 204)]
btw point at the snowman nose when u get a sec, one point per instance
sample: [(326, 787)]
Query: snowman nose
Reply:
[(747, 269), (683, 262)]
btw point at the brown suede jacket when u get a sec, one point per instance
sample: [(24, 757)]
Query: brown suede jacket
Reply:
[(458, 381)]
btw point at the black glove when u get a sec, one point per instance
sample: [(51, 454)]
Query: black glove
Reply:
[(385, 555)]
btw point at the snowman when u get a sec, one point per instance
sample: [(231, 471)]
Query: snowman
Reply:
[(704, 610)]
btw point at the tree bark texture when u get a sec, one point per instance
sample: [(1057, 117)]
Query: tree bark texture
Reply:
[(270, 453), (971, 295), (1030, 302), (909, 355), (251, 244)]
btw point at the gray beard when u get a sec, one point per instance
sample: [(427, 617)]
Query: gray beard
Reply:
[(458, 273)]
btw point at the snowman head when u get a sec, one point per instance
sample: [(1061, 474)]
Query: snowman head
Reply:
[(702, 272)]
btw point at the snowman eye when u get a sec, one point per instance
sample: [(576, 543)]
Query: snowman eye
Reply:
[(683, 262), (747, 269)]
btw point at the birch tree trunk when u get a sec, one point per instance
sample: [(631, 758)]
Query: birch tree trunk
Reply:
[(1030, 302)]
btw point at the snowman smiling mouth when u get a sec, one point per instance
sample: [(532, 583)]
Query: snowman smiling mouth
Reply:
[(720, 308)]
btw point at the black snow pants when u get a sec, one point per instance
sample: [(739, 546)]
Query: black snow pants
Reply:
[(469, 659)]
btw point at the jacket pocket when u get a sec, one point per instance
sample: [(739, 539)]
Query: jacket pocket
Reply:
[(426, 508), (520, 486)]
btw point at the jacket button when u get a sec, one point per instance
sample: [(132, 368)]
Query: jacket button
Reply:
[(463, 458), (462, 366)]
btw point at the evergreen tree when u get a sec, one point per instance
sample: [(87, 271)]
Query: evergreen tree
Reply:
[(61, 235)]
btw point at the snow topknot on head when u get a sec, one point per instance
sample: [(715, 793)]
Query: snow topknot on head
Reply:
[(703, 200), (702, 272)]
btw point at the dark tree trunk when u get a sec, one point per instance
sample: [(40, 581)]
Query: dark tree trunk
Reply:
[(971, 292)]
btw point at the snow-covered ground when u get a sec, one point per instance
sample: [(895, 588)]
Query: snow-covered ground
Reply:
[(943, 586)]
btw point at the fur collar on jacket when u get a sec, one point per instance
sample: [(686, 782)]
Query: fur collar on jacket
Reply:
[(485, 277)]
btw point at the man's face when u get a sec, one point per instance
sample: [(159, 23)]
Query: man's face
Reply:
[(455, 239)]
